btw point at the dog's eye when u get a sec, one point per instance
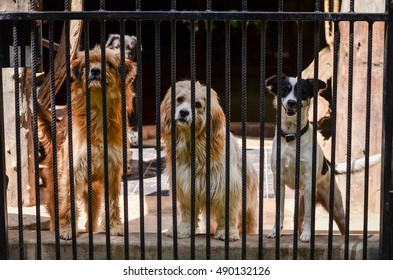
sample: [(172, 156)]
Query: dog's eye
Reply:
[(180, 99), (109, 65), (198, 105)]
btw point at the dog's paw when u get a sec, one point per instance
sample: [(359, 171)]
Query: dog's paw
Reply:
[(305, 237), (233, 234), (66, 233), (117, 229), (183, 231), (271, 233)]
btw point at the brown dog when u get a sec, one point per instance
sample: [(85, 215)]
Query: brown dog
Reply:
[(79, 130)]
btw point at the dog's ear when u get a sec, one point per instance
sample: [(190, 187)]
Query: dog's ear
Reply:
[(217, 121), (165, 109), (76, 69), (308, 86), (113, 41), (130, 71), (131, 44), (272, 83)]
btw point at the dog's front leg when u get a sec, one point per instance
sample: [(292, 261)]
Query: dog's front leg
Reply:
[(306, 232), (65, 207), (184, 227), (273, 233), (116, 225)]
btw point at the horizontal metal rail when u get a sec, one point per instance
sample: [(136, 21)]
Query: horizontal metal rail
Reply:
[(194, 15)]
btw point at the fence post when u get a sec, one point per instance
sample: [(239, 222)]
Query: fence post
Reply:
[(385, 240), (3, 181)]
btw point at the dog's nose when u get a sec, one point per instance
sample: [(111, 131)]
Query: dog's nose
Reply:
[(291, 103), (183, 113), (95, 71)]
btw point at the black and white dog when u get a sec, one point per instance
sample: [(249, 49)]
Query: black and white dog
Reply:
[(288, 156)]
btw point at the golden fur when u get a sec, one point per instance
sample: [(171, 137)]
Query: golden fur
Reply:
[(183, 118), (79, 132)]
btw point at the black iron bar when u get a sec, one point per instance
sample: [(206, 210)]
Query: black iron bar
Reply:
[(298, 139), (70, 132), (333, 138), (158, 135), (227, 135), (208, 127), (262, 95), (314, 137), (193, 77), (367, 139), (349, 141)]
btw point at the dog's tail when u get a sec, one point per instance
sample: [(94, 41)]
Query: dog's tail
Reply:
[(44, 128), (358, 164)]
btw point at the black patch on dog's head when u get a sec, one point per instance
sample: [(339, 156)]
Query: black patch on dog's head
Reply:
[(272, 85), (325, 166), (306, 86)]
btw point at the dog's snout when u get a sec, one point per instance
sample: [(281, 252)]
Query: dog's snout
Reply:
[(184, 113), (291, 103), (95, 71)]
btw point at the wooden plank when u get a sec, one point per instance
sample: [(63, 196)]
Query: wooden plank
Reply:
[(359, 99), (25, 129), (60, 58)]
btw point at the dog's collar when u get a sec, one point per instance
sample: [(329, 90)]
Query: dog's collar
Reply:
[(292, 136)]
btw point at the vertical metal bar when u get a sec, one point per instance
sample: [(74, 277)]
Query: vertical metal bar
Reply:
[(352, 6), (17, 129), (105, 134), (244, 135), (262, 95), (386, 232), (124, 120), (54, 138), (33, 41), (69, 129), (88, 141), (193, 212), (158, 136), (208, 127), (367, 139), (173, 132), (140, 137), (389, 243), (173, 136), (278, 132), (349, 141), (17, 132), (333, 139), (227, 135), (314, 137), (278, 142), (298, 138), (3, 175)]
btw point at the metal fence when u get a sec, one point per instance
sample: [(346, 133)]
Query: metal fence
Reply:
[(138, 241)]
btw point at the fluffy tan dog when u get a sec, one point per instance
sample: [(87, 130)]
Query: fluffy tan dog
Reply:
[(79, 130), (183, 118)]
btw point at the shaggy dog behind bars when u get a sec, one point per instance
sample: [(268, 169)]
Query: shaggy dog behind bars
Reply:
[(79, 139), (183, 120)]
